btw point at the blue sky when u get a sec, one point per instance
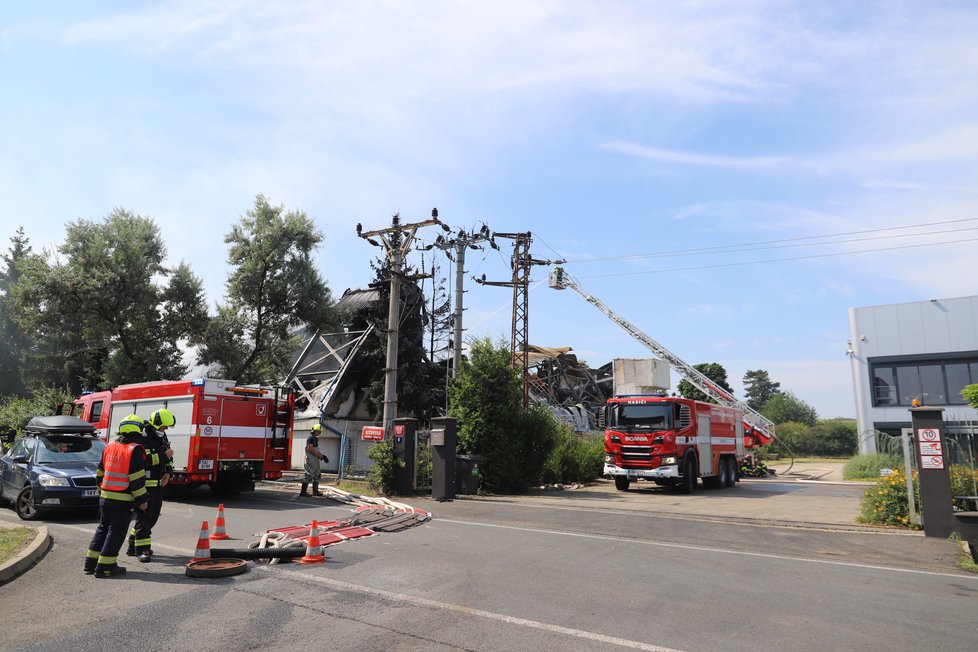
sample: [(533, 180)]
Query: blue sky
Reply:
[(607, 129)]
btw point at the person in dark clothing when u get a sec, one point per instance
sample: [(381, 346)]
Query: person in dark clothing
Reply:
[(159, 465), (312, 466), (122, 480)]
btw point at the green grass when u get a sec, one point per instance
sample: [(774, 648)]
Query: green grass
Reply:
[(13, 540), (356, 487), (965, 560), (867, 466)]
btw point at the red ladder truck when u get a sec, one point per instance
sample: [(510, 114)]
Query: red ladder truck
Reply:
[(668, 439), (226, 436)]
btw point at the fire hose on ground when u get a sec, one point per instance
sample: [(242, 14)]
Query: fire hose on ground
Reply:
[(372, 515)]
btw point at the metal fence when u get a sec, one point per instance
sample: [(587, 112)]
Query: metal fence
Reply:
[(355, 462)]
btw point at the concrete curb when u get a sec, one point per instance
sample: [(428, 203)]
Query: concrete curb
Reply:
[(27, 557)]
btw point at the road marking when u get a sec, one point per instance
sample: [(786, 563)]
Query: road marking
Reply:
[(747, 521), (469, 611), (657, 544), (727, 551)]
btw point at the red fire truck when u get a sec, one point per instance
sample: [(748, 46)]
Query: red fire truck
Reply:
[(226, 436), (671, 440)]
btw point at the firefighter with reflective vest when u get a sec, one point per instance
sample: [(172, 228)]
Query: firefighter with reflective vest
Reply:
[(312, 466), (122, 480), (159, 465)]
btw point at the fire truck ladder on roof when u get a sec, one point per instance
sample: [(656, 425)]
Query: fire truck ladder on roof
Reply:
[(763, 427)]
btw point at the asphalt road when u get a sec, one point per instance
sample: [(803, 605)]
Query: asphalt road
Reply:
[(590, 569)]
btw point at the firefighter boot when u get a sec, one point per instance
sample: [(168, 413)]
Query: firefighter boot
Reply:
[(90, 566), (146, 556), (315, 490), (131, 548), (302, 492), (109, 570)]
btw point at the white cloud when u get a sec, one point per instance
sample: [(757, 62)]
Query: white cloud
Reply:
[(689, 158)]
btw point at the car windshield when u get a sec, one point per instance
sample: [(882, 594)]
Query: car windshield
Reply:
[(68, 448)]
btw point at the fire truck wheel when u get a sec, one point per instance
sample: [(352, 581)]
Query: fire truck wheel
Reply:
[(622, 482), (732, 476), (688, 481), (723, 474)]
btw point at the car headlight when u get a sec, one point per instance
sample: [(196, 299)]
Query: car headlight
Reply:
[(669, 460), (47, 480), (609, 458)]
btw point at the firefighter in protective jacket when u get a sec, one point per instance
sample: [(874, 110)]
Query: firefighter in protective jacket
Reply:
[(122, 479), (159, 465)]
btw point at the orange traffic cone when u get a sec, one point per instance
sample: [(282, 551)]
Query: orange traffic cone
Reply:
[(219, 531), (203, 545), (314, 549)]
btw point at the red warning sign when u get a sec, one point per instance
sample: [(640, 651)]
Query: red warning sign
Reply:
[(931, 462), (372, 433)]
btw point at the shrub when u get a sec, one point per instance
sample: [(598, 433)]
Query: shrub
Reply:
[(381, 474), (486, 398), (868, 465), (964, 482), (885, 503), (789, 435), (575, 458)]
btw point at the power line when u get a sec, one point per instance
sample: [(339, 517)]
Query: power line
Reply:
[(748, 246), (779, 260)]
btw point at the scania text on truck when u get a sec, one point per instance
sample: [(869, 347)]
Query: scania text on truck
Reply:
[(225, 436), (671, 441)]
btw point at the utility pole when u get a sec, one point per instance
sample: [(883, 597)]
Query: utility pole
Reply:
[(522, 261), (460, 243), (396, 241)]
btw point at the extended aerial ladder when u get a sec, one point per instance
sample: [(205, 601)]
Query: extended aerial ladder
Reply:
[(763, 428)]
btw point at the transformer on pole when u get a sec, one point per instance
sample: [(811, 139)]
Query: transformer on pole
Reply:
[(396, 241)]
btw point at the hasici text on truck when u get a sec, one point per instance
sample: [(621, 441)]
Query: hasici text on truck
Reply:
[(225, 436)]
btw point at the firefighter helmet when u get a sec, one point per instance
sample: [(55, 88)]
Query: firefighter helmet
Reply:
[(163, 418), (133, 424), (316, 427)]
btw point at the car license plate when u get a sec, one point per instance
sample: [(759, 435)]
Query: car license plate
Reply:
[(634, 472), (89, 493)]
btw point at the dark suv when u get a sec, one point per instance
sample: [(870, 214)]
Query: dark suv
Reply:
[(52, 467)]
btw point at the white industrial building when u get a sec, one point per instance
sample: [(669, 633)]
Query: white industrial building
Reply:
[(926, 350)]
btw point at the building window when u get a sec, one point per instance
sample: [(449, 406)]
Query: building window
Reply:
[(958, 377), (884, 386), (933, 381)]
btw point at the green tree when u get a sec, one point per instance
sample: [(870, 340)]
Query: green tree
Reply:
[(758, 388), (785, 406), (712, 370), (970, 394), (14, 343), (108, 311), (487, 400), (16, 411), (273, 288)]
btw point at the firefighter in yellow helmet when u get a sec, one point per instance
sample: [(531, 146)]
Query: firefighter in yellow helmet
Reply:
[(122, 480), (159, 465), (312, 466)]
